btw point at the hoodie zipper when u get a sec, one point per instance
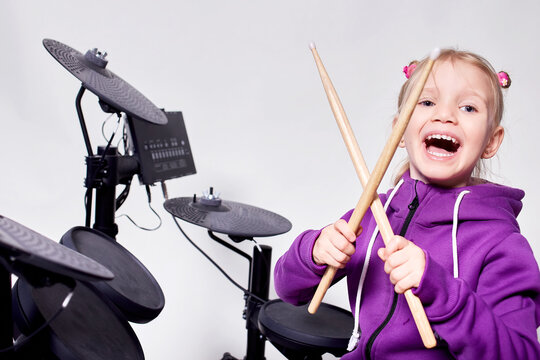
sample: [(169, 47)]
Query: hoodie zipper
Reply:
[(412, 209)]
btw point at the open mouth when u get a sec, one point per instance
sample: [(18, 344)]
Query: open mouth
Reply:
[(441, 145)]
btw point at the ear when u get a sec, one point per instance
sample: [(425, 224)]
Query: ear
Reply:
[(402, 141), (494, 143)]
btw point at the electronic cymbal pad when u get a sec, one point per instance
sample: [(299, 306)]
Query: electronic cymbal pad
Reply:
[(228, 217), (90, 69), (20, 246)]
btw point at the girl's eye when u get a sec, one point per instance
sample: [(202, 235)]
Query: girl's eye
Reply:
[(426, 103), (468, 108)]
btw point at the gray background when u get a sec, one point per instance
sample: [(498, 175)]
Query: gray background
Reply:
[(259, 124)]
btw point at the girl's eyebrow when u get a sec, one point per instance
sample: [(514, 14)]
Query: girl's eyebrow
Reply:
[(470, 92), (474, 93), (430, 89)]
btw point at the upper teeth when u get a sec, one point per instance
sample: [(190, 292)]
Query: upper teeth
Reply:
[(444, 137)]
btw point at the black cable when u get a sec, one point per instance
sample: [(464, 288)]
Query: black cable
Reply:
[(103, 126), (22, 342), (151, 208), (112, 137), (123, 195), (88, 205), (122, 138), (125, 138), (245, 291)]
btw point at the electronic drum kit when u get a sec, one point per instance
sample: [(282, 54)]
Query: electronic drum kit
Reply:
[(74, 299)]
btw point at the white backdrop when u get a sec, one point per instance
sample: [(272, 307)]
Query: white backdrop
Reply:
[(258, 121)]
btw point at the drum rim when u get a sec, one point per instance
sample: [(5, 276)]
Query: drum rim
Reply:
[(302, 339), (27, 305), (132, 310)]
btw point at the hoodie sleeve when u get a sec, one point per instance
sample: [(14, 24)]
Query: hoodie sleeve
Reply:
[(296, 276), (498, 319)]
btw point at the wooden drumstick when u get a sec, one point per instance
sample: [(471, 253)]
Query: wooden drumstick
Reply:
[(379, 214)]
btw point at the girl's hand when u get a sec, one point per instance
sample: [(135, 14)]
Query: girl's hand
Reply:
[(404, 262), (335, 245)]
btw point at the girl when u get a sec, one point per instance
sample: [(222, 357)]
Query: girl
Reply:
[(459, 246)]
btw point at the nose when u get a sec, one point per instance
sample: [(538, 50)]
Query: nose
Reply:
[(445, 113)]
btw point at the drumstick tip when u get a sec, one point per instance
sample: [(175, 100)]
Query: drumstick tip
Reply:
[(435, 54), (312, 45)]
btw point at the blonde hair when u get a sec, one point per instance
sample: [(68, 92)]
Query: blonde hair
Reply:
[(497, 103)]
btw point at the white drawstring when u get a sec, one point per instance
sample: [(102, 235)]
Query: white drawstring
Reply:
[(454, 232), (353, 341)]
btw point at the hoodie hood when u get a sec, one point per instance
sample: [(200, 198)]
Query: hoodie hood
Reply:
[(486, 201)]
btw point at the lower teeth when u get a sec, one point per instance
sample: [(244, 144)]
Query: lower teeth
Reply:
[(439, 154)]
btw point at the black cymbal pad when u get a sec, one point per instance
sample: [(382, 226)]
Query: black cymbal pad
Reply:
[(229, 217), (110, 88), (28, 247)]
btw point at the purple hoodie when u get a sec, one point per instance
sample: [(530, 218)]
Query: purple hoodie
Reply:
[(485, 305)]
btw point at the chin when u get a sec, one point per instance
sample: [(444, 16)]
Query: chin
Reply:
[(443, 178), (447, 183), (447, 180)]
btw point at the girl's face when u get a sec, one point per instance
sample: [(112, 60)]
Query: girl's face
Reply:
[(451, 127)]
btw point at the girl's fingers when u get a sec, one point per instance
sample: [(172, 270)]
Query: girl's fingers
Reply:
[(339, 259), (405, 284), (335, 245), (398, 273), (405, 267), (395, 244), (333, 257), (381, 254), (344, 229), (395, 260), (343, 245)]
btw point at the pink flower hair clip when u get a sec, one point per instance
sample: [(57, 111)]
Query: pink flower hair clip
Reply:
[(409, 69), (504, 79)]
